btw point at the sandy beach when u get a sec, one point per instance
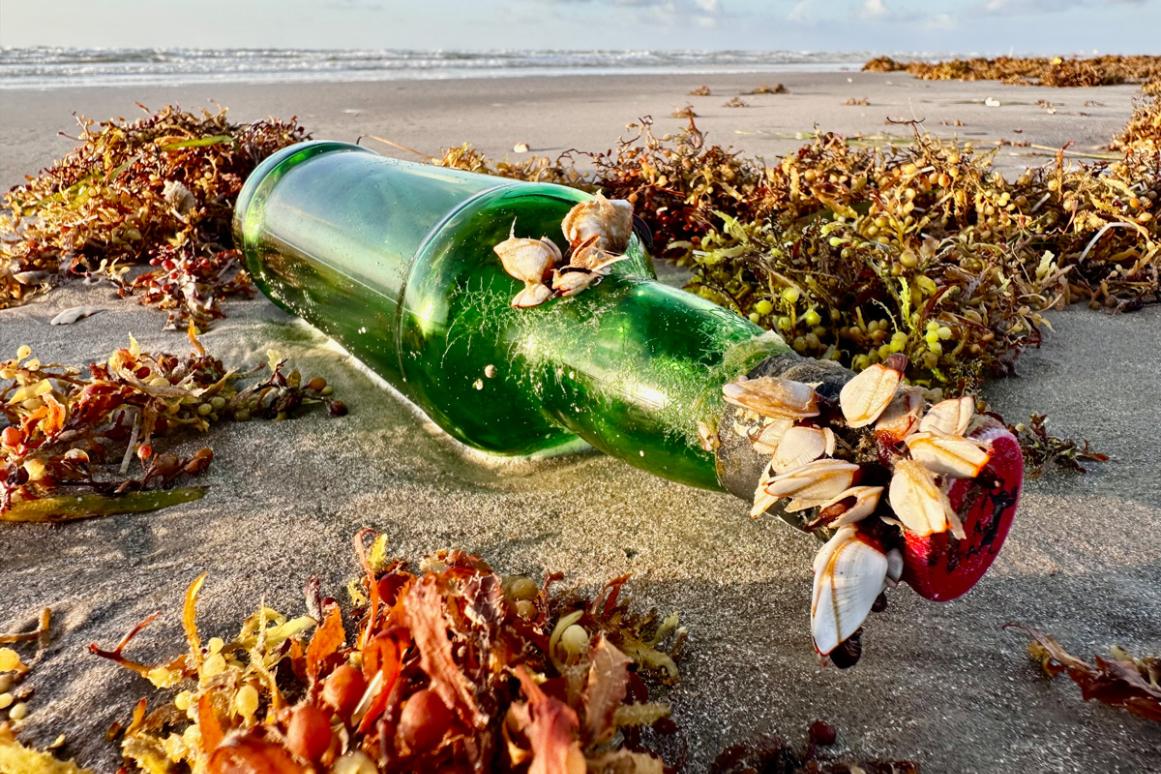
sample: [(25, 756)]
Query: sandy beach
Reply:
[(941, 684)]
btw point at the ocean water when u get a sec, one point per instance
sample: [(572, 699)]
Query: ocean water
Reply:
[(50, 67)]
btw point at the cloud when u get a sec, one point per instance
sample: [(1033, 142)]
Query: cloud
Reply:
[(800, 12), (940, 21), (704, 7), (703, 13), (926, 15), (1018, 7)]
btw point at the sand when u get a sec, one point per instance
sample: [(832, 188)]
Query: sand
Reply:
[(942, 684)]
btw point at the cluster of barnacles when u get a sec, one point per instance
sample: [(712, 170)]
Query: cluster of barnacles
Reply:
[(888, 440), (598, 233)]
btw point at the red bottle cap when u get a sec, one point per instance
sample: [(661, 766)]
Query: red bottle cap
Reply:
[(942, 567)]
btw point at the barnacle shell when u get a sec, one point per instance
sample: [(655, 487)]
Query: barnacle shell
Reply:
[(590, 256), (951, 417), (763, 502), (609, 223), (919, 503), (849, 574), (800, 445), (773, 397), (569, 283), (767, 437), (532, 295), (799, 504), (869, 394), (948, 455), (902, 416), (603, 266), (819, 480), (859, 503), (894, 566), (528, 260)]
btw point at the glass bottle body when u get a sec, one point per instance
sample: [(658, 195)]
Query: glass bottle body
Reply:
[(394, 261)]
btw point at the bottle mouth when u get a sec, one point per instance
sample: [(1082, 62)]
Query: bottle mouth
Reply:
[(902, 492), (740, 463)]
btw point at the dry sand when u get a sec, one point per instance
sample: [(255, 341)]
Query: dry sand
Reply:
[(939, 683)]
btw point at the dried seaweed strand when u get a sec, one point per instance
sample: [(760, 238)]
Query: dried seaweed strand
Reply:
[(1133, 684)]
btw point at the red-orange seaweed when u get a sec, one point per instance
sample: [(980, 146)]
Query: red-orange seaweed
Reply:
[(70, 436), (445, 667)]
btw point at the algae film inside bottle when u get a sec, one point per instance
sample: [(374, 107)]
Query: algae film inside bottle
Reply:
[(395, 261)]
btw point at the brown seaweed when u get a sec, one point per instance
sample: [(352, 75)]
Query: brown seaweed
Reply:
[(1056, 71), (1133, 684), (86, 441), (155, 192)]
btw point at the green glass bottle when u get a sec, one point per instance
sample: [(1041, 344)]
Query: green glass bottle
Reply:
[(394, 261)]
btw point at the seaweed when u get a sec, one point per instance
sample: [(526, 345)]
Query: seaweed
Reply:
[(444, 664), (73, 435), (766, 88), (675, 182), (1054, 71), (1133, 684), (1142, 134), (1041, 448), (16, 694), (855, 251), (156, 192)]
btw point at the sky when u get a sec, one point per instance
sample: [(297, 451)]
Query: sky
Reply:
[(939, 26)]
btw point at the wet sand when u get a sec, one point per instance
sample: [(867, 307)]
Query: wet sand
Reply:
[(942, 684)]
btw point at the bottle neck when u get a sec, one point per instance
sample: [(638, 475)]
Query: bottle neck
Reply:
[(636, 370)]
